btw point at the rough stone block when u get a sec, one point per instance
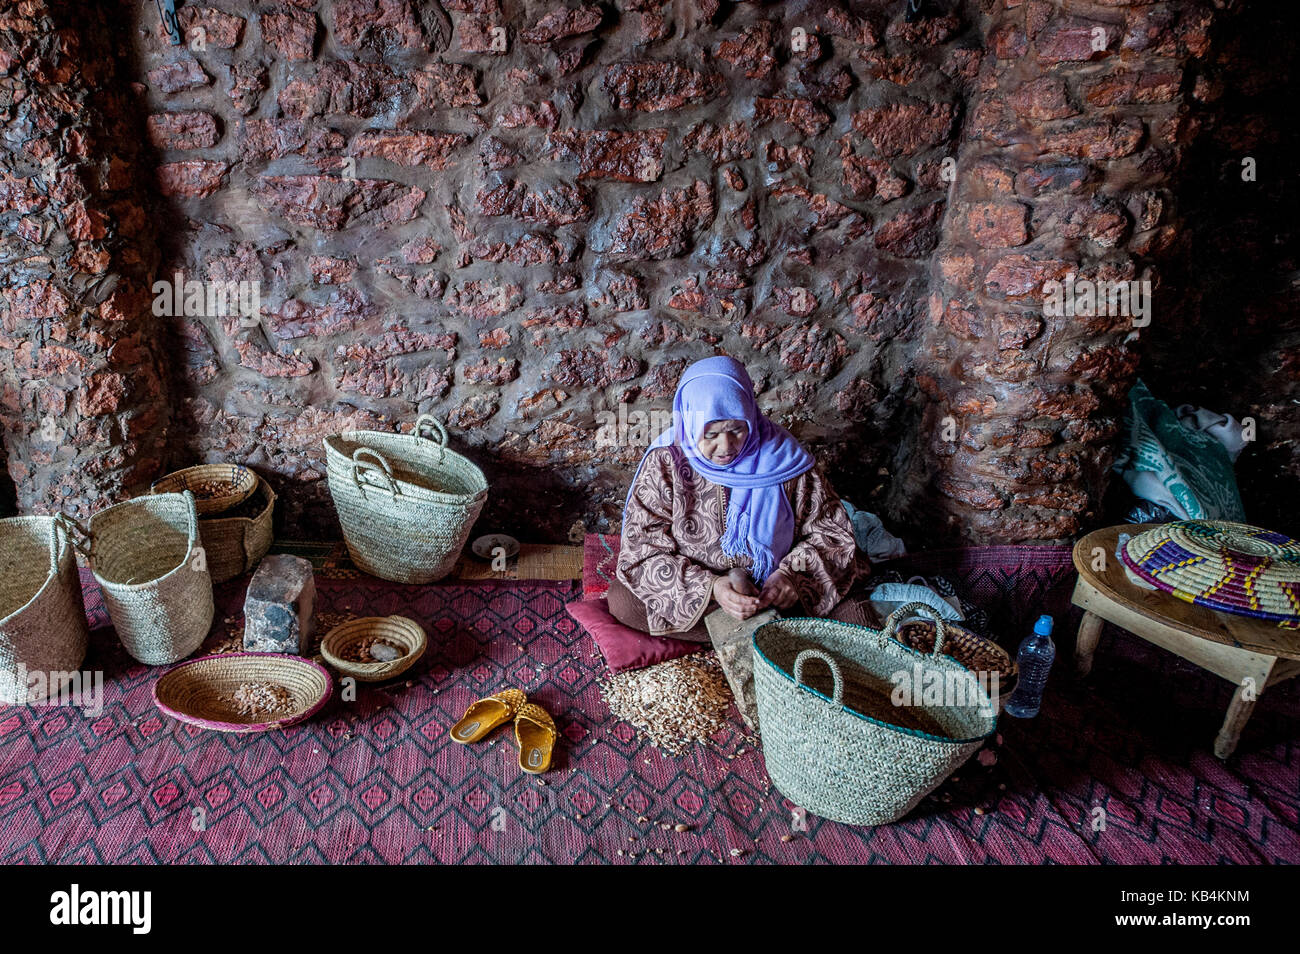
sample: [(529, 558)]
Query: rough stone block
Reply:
[(278, 610)]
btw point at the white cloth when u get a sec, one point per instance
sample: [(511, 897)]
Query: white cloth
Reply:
[(1222, 427)]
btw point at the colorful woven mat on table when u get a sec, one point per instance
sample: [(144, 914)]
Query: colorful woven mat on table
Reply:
[(378, 780), (1232, 567)]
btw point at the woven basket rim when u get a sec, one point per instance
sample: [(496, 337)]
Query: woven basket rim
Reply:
[(217, 724), (1164, 533), (854, 712), (212, 518), (192, 541), (51, 572), (1187, 596), (1210, 570), (967, 633), (216, 504)]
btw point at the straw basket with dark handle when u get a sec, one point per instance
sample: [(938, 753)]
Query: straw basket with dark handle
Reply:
[(42, 617), (154, 575), (406, 502), (855, 756)]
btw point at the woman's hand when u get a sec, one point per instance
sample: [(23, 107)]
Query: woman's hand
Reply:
[(732, 600), (779, 591)]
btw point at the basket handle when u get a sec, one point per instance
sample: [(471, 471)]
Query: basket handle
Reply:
[(79, 537), (918, 609), (837, 694), (434, 424), (379, 465), (428, 420)]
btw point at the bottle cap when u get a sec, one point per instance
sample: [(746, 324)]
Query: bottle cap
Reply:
[(1044, 626)]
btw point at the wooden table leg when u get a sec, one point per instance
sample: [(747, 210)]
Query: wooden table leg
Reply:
[(1086, 644), (1239, 711)]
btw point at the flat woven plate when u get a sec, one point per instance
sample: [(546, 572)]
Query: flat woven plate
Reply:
[(199, 691), (1232, 567)]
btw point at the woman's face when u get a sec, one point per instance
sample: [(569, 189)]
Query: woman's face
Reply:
[(722, 441)]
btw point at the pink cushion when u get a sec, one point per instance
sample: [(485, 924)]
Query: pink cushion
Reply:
[(622, 646)]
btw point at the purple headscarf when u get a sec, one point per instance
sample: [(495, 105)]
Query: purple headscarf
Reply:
[(760, 523)]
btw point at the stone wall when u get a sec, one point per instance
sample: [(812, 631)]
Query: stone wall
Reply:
[(519, 216), (1072, 142), (517, 241), (83, 405)]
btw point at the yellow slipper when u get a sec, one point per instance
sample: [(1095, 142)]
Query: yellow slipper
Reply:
[(486, 714), (535, 733)]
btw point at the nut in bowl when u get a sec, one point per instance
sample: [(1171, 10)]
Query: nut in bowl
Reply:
[(358, 647)]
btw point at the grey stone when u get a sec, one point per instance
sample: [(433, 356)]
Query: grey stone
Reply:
[(278, 610), (382, 652)]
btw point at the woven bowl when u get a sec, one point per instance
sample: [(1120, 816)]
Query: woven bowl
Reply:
[(237, 485), (974, 652), (398, 630), (198, 691)]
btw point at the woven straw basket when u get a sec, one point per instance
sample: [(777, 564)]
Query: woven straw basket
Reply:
[(852, 755), (398, 630), (200, 691), (236, 544), (405, 501), (43, 628), (976, 653), (237, 483), (146, 556)]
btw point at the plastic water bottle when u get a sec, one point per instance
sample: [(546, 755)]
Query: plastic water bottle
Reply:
[(1034, 660)]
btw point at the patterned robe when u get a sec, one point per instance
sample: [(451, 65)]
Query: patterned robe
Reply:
[(671, 550)]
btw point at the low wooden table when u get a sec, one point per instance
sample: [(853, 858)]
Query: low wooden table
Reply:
[(1251, 653)]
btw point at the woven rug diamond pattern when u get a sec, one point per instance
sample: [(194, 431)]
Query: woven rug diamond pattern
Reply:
[(378, 781)]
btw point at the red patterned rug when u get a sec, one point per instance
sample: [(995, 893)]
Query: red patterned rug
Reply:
[(378, 780)]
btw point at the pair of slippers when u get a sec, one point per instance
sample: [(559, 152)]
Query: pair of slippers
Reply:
[(534, 727)]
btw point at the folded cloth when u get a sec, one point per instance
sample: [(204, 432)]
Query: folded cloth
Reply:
[(622, 646), (871, 536), (1184, 470), (1224, 428), (888, 597)]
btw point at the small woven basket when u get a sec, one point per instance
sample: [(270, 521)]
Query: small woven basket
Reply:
[(145, 553), (235, 544), (43, 624), (976, 653), (216, 487), (200, 691), (404, 633), (853, 755), (405, 501)]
